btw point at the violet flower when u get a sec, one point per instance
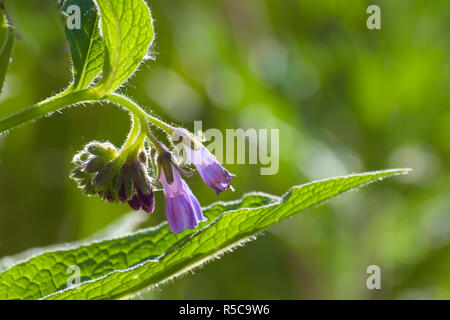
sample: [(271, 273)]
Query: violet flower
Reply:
[(135, 187), (182, 207), (212, 172)]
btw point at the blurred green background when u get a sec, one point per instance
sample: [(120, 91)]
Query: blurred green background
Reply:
[(346, 99)]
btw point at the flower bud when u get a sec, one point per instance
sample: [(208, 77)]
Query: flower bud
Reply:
[(94, 164), (143, 157), (104, 178), (89, 189), (140, 177), (135, 203), (124, 183), (80, 158), (104, 150), (100, 171), (78, 173)]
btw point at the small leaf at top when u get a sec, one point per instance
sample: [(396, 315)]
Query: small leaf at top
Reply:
[(86, 44), (127, 30)]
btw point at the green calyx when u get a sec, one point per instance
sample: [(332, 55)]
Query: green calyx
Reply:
[(103, 170), (165, 163), (182, 136)]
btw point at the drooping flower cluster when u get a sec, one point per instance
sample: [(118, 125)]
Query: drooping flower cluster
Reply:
[(100, 170), (124, 176)]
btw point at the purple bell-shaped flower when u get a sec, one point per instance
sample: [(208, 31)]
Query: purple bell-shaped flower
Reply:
[(182, 207)]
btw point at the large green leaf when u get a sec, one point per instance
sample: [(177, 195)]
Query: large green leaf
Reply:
[(86, 44), (115, 268), (128, 32), (6, 44)]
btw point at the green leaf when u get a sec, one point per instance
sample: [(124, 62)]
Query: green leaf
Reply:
[(6, 44), (115, 268), (128, 32), (18, 282), (86, 44)]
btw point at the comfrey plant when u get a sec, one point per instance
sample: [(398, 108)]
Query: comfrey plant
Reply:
[(109, 39), (143, 164)]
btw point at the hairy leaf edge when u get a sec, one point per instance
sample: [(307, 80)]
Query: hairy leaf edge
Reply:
[(198, 264)]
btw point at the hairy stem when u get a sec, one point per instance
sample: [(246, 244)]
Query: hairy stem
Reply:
[(136, 127), (46, 107), (137, 110), (68, 98), (154, 141)]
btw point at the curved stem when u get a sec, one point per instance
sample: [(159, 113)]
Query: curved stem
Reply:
[(69, 98), (137, 110), (47, 106), (136, 127), (139, 142)]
